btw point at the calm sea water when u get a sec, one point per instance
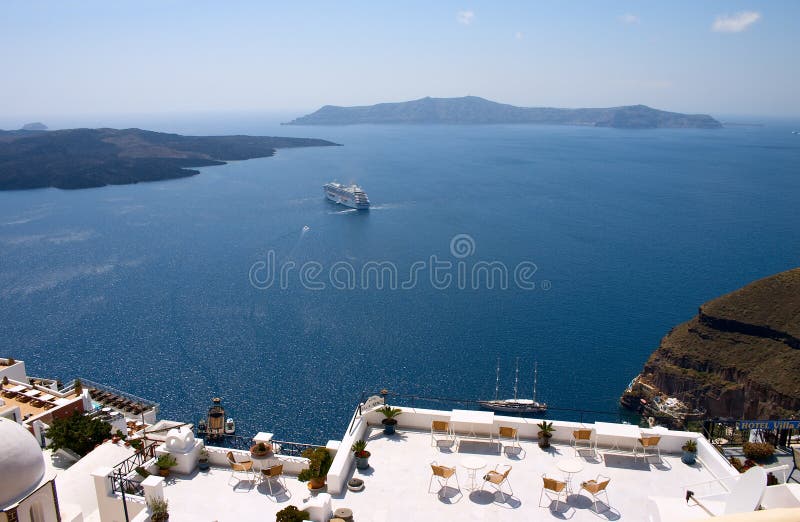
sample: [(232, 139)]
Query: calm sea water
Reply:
[(147, 288)]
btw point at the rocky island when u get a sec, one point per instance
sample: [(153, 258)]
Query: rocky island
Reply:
[(739, 357), (475, 110), (85, 158)]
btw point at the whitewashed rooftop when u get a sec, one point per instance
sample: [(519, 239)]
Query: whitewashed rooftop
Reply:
[(396, 485)]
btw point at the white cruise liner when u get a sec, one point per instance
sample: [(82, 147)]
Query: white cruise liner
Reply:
[(348, 195)]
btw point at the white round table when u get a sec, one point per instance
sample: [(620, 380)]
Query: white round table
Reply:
[(472, 465), (570, 467), (262, 463)]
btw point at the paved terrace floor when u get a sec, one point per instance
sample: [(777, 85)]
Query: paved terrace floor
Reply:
[(397, 481)]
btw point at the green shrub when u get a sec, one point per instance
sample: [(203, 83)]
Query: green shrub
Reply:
[(78, 433), (389, 412), (758, 450), (166, 461), (546, 428), (319, 463), (159, 508), (291, 514)]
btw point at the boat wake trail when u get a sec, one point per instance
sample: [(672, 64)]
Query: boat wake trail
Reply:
[(303, 233)]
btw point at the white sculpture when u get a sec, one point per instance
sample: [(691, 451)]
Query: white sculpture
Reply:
[(180, 440)]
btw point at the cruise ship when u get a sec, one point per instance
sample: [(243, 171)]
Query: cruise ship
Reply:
[(348, 195)]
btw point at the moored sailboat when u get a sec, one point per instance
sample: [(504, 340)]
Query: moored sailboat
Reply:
[(515, 405)]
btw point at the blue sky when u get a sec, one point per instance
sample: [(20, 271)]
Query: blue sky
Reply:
[(104, 57)]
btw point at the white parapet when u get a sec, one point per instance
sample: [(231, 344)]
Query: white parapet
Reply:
[(318, 507), (15, 372)]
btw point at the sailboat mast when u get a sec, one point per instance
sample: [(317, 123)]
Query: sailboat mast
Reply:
[(535, 372), (516, 379), (497, 380)]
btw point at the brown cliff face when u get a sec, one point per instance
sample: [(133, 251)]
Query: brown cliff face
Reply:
[(740, 356)]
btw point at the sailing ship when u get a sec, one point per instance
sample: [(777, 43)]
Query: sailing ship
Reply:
[(515, 405)]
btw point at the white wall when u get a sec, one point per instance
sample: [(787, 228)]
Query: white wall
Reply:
[(291, 465), (343, 462), (15, 372), (671, 441), (109, 504), (43, 497)]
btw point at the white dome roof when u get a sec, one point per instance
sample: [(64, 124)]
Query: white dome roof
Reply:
[(21, 462)]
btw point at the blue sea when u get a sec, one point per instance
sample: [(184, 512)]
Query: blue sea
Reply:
[(608, 238)]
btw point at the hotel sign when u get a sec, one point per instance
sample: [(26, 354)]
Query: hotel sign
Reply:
[(768, 424)]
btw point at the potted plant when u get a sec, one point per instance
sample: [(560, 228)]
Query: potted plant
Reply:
[(689, 452), (359, 449), (158, 509), (291, 514), (389, 418), (319, 462), (202, 462), (260, 450), (118, 436), (164, 462), (545, 433)]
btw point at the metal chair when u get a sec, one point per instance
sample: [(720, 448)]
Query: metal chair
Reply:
[(552, 486), (509, 434), (597, 487), (583, 437), (647, 442), (273, 473), (441, 430), (442, 474), (496, 479), (245, 466)]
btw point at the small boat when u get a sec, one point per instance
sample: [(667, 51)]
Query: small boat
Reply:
[(216, 419), (230, 426), (515, 405)]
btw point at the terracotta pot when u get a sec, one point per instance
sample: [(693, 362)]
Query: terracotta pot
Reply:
[(316, 483), (164, 472), (256, 453)]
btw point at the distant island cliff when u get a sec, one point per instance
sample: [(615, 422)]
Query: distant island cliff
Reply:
[(475, 110), (739, 357), (85, 158)]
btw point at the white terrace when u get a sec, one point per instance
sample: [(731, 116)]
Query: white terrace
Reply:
[(396, 486), (396, 483)]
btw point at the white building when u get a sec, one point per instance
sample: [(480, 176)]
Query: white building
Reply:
[(27, 492)]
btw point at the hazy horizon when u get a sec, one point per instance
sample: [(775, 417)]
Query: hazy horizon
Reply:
[(96, 59)]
